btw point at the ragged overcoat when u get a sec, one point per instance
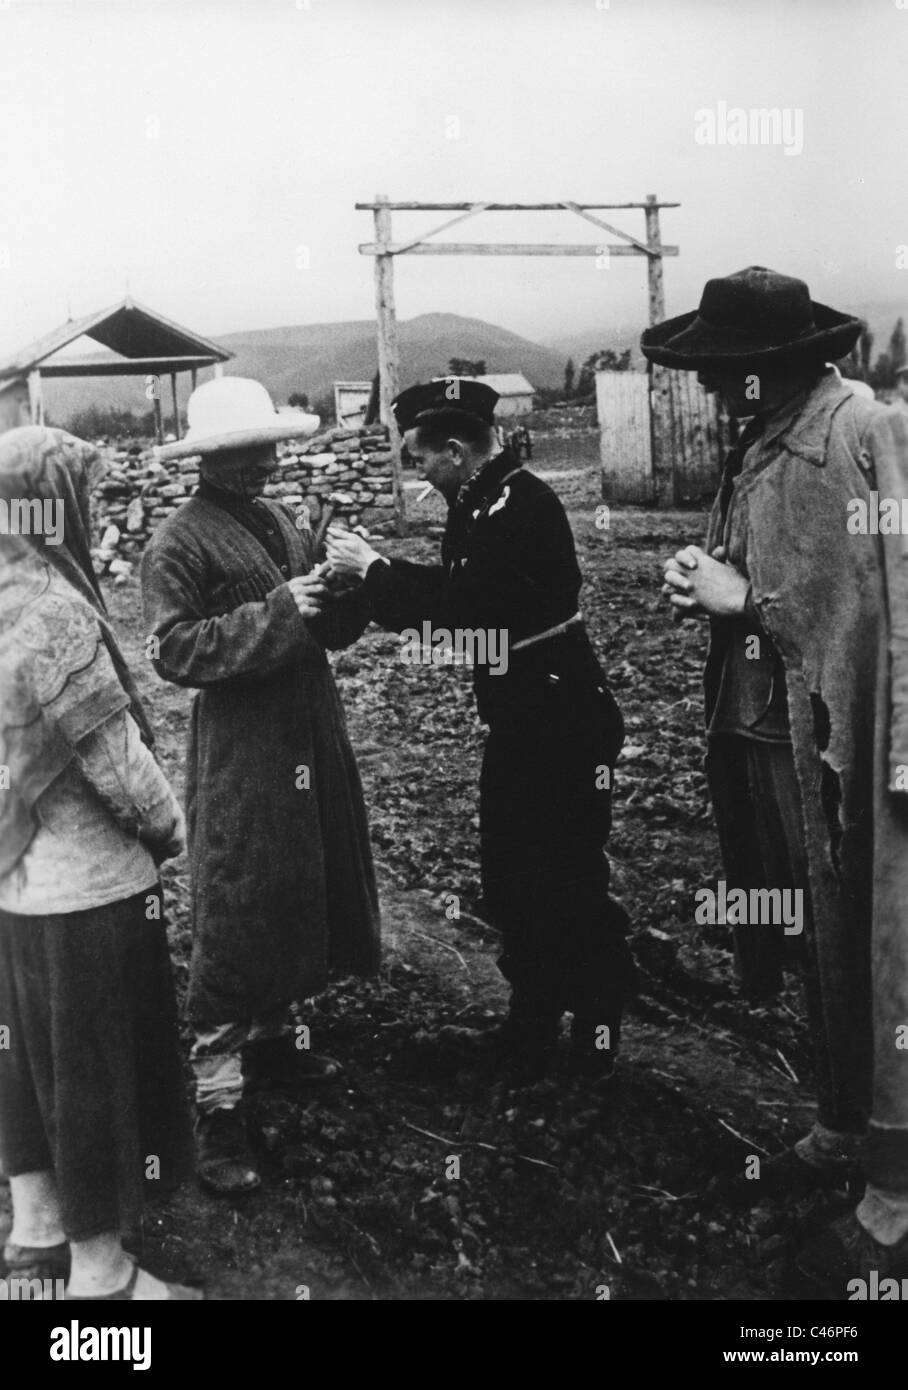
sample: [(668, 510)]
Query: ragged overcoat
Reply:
[(282, 882), (835, 603)]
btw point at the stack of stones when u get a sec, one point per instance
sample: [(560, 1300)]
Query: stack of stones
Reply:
[(351, 468)]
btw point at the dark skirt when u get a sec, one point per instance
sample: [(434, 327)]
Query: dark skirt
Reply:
[(91, 1084)]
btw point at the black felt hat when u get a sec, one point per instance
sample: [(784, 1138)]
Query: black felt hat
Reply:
[(755, 316), (450, 393)]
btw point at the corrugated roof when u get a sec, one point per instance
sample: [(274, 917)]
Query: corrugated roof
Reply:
[(128, 329)]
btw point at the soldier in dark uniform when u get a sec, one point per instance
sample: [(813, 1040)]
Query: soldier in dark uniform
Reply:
[(508, 564)]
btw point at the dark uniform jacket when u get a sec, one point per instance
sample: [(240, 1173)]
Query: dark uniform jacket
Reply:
[(507, 562)]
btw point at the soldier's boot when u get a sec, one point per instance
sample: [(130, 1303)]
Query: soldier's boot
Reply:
[(521, 1048), (596, 1026), (528, 1038), (595, 1034)]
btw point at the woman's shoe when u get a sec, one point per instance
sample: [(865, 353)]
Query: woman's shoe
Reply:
[(36, 1261)]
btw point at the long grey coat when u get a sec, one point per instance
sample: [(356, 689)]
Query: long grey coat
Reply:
[(283, 888), (836, 606)]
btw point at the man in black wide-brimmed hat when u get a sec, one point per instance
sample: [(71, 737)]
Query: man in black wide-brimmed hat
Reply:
[(508, 567), (807, 721)]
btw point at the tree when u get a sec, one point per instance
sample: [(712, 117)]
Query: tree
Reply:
[(298, 398), (606, 360), (465, 366), (569, 374), (323, 407), (865, 348), (898, 349), (882, 377)]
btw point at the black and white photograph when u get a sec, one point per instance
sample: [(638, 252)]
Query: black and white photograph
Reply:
[(454, 666)]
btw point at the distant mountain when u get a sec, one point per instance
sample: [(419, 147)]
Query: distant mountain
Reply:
[(880, 315), (311, 357), (585, 342)]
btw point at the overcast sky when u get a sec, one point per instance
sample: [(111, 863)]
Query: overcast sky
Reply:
[(192, 148)]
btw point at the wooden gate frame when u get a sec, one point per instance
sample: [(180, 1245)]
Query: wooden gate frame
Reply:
[(384, 249)]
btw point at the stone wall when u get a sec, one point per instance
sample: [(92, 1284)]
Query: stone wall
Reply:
[(351, 467)]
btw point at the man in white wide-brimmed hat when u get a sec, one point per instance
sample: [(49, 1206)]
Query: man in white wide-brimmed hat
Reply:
[(283, 888)]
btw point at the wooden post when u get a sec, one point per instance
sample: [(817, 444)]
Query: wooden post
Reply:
[(195, 377), (176, 405), (158, 415), (388, 351), (654, 263), (660, 381), (35, 398)]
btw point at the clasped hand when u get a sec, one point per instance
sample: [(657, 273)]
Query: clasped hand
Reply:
[(699, 583)]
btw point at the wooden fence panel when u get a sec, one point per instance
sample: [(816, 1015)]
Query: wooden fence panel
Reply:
[(622, 403), (698, 435), (662, 438)]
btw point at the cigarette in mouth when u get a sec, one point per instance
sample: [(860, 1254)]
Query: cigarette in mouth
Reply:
[(425, 492)]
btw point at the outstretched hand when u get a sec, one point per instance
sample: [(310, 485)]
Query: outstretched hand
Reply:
[(348, 553)]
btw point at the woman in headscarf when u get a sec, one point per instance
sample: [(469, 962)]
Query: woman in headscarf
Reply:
[(92, 1103)]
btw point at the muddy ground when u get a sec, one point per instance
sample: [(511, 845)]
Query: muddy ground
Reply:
[(561, 1191)]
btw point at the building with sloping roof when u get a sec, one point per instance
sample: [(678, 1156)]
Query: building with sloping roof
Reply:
[(136, 342), (514, 391)]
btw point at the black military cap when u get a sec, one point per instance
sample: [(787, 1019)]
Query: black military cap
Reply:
[(449, 393)]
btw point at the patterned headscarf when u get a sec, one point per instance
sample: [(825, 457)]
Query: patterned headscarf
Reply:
[(62, 673)]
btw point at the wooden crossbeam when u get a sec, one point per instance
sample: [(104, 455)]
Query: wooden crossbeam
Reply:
[(383, 249), (452, 222), (501, 248), (124, 366), (503, 207), (607, 227)]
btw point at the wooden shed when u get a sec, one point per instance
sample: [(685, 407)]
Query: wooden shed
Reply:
[(351, 402), (137, 342), (662, 437)]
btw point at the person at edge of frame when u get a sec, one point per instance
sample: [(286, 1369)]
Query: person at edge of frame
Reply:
[(807, 723), (94, 1120), (508, 564)]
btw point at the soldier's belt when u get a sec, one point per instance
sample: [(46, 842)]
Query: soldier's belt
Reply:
[(549, 632)]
